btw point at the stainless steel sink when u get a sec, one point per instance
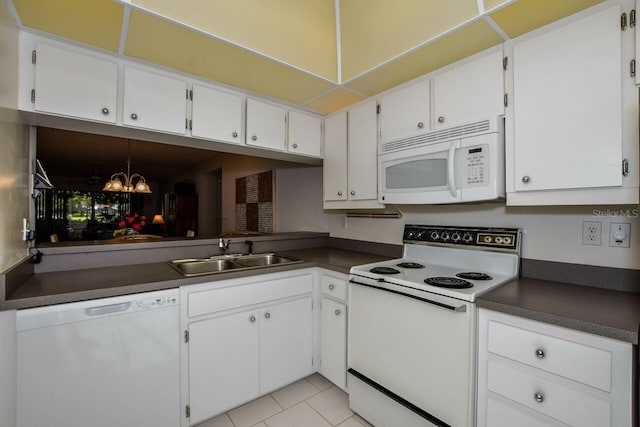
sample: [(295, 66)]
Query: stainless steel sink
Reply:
[(219, 264)]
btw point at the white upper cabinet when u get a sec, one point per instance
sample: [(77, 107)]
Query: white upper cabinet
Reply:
[(75, 85), (362, 152), (574, 115), (154, 101), (216, 115), (469, 90), (305, 134), (266, 125), (405, 112), (335, 157)]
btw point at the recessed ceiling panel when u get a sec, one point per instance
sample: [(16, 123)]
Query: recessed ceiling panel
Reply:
[(490, 4), (95, 22), (302, 33), (161, 42), (373, 31), (334, 101), (468, 40), (526, 15)]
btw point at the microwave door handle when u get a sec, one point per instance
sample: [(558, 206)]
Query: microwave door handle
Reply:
[(450, 166)]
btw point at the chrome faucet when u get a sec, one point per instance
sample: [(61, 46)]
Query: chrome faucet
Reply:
[(224, 246)]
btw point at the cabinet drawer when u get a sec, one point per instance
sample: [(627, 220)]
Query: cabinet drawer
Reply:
[(335, 287), (562, 402), (506, 413), (211, 301), (552, 354)]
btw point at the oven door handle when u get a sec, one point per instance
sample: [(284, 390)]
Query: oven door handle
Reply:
[(459, 309), (450, 168)]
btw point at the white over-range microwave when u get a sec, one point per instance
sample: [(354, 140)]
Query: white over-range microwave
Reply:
[(455, 165)]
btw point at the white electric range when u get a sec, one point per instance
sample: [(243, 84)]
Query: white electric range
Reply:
[(412, 324)]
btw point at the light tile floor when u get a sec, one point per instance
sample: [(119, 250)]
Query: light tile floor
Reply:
[(311, 402)]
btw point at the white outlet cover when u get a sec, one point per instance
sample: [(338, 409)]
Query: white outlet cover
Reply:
[(619, 234), (592, 233)]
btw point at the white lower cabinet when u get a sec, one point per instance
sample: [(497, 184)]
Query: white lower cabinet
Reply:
[(533, 374), (244, 338), (333, 328)]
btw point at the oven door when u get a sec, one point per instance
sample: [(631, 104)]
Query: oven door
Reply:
[(422, 174), (411, 356)]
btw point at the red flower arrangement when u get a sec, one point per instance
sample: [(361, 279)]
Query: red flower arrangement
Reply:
[(131, 224)]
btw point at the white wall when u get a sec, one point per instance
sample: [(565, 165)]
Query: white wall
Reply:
[(299, 200), (549, 233), (14, 157)]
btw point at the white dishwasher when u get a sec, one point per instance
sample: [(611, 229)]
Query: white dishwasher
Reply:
[(100, 363)]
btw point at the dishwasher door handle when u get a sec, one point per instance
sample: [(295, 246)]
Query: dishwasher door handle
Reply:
[(107, 309)]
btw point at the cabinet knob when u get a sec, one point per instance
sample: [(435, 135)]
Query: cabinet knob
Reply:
[(105, 111), (267, 315), (134, 116), (339, 193), (234, 134), (254, 138), (420, 125), (252, 319), (337, 312), (526, 179), (353, 192), (295, 145), (441, 119), (538, 397), (332, 287), (540, 353)]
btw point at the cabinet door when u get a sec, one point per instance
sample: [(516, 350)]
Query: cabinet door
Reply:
[(223, 363), (216, 115), (266, 125), (567, 106), (305, 134), (76, 85), (155, 102), (335, 157), (363, 152), (405, 112), (333, 342), (285, 343), (469, 91)]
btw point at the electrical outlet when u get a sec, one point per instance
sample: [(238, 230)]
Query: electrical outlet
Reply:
[(619, 234), (592, 233)]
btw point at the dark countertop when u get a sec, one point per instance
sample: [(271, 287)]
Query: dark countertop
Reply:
[(77, 285), (604, 312)]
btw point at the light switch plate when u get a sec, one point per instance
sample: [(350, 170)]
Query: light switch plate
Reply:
[(619, 234)]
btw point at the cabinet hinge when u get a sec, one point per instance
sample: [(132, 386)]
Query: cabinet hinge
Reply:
[(632, 18), (33, 57), (378, 109), (33, 96), (190, 124), (505, 62), (187, 411), (623, 21), (506, 99), (190, 95), (625, 167), (187, 93), (632, 68), (186, 336)]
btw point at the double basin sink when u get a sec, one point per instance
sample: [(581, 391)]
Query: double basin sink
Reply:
[(223, 263)]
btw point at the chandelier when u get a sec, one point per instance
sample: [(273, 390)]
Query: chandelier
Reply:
[(124, 182)]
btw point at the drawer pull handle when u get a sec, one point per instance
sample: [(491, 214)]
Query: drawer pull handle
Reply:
[(267, 315), (539, 397), (332, 287), (540, 353), (337, 312), (252, 319)]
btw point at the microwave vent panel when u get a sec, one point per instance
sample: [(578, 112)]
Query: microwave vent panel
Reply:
[(443, 135)]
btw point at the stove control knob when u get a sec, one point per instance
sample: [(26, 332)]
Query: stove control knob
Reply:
[(445, 236), (467, 237), (434, 235), (455, 237), (411, 234)]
